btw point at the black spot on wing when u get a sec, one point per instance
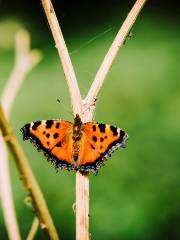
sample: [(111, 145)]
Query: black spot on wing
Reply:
[(59, 144), (57, 125), (94, 128), (122, 133), (35, 125), (92, 146), (49, 123), (47, 135), (94, 138), (114, 130), (102, 127), (101, 139), (56, 135)]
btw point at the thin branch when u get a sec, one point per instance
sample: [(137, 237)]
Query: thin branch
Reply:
[(82, 181), (28, 178), (7, 203), (64, 56), (25, 60), (33, 230), (82, 206), (86, 109), (111, 54)]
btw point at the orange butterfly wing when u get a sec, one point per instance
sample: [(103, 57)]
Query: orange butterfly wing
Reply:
[(100, 140), (52, 137), (63, 152), (55, 139)]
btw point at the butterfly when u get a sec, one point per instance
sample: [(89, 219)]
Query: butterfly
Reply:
[(75, 146)]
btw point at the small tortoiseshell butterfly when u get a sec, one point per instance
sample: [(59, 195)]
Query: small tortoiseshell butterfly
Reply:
[(79, 146)]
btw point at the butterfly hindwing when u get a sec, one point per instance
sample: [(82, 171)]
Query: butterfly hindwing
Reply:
[(63, 151), (50, 136), (100, 141)]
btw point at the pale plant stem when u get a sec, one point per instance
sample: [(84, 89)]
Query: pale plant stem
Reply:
[(24, 62), (28, 178), (82, 181), (86, 107), (111, 54), (64, 56), (7, 204), (82, 206), (26, 59)]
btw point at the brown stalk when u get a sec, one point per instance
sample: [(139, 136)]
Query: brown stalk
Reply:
[(28, 178), (25, 60)]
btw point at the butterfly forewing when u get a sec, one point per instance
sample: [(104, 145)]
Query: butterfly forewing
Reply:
[(51, 136)]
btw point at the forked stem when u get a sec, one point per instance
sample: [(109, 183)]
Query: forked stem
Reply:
[(85, 108), (111, 54), (25, 60)]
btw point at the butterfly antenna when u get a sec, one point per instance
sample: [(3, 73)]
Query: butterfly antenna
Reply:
[(64, 107)]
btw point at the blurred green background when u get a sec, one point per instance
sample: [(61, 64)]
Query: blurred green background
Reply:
[(137, 194)]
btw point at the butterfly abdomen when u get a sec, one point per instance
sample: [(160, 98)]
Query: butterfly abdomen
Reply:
[(76, 137), (75, 151)]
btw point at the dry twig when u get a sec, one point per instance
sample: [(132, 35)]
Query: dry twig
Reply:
[(25, 60), (85, 108), (110, 56), (28, 178), (64, 56)]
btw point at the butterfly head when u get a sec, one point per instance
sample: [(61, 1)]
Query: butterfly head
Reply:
[(77, 120)]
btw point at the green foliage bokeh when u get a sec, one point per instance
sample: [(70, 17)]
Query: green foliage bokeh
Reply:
[(136, 195)]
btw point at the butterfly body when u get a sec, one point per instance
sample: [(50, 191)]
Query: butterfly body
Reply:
[(75, 146), (77, 138)]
